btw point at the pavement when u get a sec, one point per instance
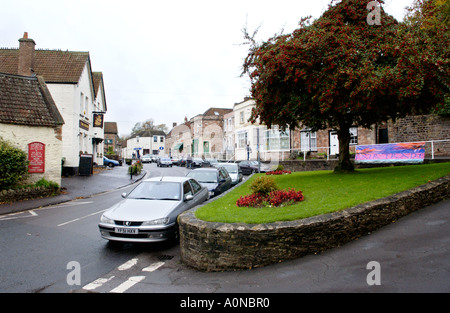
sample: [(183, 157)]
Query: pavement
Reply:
[(77, 187)]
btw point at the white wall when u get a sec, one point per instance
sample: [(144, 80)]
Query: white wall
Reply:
[(20, 136)]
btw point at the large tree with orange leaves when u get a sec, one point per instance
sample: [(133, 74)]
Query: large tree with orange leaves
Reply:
[(342, 70)]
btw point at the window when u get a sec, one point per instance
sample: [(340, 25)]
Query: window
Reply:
[(242, 117), (187, 189), (161, 139), (308, 141), (155, 138), (81, 103), (276, 139), (353, 136), (242, 139), (196, 186)]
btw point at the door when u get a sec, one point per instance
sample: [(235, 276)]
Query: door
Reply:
[(334, 143)]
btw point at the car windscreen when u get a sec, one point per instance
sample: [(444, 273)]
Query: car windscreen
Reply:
[(156, 190), (204, 176), (231, 168)]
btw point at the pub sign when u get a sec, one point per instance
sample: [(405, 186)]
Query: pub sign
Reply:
[(36, 157)]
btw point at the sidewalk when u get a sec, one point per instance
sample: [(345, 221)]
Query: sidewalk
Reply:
[(76, 187)]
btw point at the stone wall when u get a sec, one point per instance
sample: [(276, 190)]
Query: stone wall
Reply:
[(208, 246), (14, 195)]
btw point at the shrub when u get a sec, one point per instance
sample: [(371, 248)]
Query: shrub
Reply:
[(135, 169), (263, 185), (13, 165)]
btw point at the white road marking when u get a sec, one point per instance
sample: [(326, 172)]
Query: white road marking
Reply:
[(153, 267), (127, 265), (81, 218), (97, 283), (128, 284)]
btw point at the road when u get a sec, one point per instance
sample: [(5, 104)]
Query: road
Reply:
[(38, 247)]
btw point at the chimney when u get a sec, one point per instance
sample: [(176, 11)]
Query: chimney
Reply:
[(174, 124), (26, 56)]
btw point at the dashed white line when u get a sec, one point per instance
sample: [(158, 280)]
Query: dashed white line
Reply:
[(127, 265), (128, 284), (97, 283), (153, 267)]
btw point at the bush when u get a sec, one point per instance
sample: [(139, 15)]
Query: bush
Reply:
[(13, 165), (135, 169), (263, 185), (47, 184)]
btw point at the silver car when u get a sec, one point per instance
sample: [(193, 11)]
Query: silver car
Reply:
[(149, 212), (234, 171)]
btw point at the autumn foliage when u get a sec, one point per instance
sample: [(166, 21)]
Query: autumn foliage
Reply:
[(339, 72)]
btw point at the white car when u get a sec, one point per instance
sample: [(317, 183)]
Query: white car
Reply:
[(149, 212)]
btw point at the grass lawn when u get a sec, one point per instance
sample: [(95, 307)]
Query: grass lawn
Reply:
[(324, 192)]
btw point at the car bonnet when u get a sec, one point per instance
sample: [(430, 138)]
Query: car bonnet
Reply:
[(141, 210)]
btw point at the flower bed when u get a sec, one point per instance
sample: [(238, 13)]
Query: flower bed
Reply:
[(278, 172), (275, 199)]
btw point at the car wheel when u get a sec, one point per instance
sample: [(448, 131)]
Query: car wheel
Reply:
[(110, 165)]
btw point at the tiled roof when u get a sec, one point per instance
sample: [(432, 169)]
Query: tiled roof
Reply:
[(55, 66), (27, 101), (111, 128)]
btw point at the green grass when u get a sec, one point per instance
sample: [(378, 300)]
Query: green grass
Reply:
[(324, 192)]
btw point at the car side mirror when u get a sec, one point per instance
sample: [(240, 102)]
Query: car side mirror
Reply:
[(124, 195), (188, 197)]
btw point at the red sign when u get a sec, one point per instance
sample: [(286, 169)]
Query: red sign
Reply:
[(36, 157)]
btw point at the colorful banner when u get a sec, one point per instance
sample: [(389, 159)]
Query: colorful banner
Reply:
[(408, 152)]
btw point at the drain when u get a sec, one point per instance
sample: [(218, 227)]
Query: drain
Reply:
[(165, 257)]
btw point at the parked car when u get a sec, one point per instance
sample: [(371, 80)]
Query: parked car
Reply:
[(181, 161), (233, 170), (164, 162), (217, 180), (109, 162), (146, 158), (250, 167), (155, 158), (197, 162), (149, 212)]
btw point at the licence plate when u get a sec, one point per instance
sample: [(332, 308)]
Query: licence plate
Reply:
[(131, 231)]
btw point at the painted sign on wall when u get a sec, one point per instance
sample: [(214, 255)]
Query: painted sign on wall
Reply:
[(36, 157), (408, 152)]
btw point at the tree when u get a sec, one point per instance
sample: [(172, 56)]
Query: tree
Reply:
[(340, 71)]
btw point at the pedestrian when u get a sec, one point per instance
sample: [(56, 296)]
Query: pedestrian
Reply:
[(249, 150), (189, 161)]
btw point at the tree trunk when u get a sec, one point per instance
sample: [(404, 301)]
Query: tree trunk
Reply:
[(345, 165)]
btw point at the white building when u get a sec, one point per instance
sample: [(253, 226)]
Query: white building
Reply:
[(272, 144), (145, 142), (70, 79)]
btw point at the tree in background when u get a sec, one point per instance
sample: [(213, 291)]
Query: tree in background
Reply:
[(344, 70)]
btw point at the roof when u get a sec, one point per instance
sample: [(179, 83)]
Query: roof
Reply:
[(55, 66), (217, 111), (111, 128), (97, 80), (27, 101), (149, 133)]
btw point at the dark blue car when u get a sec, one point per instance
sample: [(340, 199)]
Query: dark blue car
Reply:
[(217, 180)]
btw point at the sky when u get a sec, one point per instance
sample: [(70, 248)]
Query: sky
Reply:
[(161, 60)]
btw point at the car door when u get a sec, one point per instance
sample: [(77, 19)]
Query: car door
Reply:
[(200, 194)]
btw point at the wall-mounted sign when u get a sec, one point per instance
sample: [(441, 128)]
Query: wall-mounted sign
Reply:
[(36, 157), (84, 125), (408, 152)]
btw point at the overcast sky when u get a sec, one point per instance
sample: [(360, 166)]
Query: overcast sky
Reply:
[(164, 60)]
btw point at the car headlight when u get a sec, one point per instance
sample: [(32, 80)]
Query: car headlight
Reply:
[(106, 220), (160, 221)]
